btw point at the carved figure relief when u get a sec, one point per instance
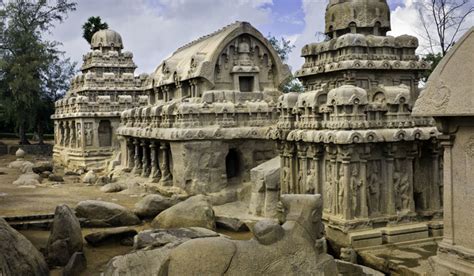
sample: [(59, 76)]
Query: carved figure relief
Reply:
[(401, 184), (310, 181), (356, 183), (328, 189), (373, 188), (88, 134), (78, 135), (341, 190)]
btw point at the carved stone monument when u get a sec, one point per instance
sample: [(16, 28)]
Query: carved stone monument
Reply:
[(210, 106), (449, 98), (86, 119), (351, 136)]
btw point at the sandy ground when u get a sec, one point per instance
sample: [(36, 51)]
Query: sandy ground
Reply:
[(16, 201)]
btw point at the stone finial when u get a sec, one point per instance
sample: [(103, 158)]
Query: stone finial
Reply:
[(20, 153)]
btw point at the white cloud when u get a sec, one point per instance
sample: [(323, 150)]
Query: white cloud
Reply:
[(152, 30), (314, 22)]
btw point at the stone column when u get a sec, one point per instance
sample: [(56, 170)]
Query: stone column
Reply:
[(302, 169), (66, 134), (409, 165), (145, 159), (364, 209), (435, 202), (389, 160), (448, 233), (130, 153), (155, 173), (164, 164), (281, 151), (346, 164), (137, 169)]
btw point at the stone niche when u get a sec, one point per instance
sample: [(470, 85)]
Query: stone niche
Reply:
[(449, 98)]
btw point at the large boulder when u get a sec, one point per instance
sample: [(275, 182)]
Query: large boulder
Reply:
[(17, 255), (28, 179), (152, 249), (105, 214), (114, 234), (90, 177), (76, 265), (65, 238), (195, 211), (152, 205), (43, 167)]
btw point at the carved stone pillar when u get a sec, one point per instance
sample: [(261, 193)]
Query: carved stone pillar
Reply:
[(409, 172), (155, 173), (435, 201), (389, 160), (137, 169), (66, 135), (130, 154), (302, 169), (164, 164), (364, 209), (345, 183), (318, 189), (448, 234), (283, 171), (145, 159)]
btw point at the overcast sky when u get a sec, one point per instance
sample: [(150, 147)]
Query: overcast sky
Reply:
[(153, 29)]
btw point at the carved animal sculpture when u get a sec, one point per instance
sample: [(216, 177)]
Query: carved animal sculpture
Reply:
[(295, 248)]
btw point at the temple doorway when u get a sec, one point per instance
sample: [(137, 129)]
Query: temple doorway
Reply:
[(232, 164), (105, 134)]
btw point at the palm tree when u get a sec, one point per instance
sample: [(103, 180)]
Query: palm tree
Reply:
[(92, 25)]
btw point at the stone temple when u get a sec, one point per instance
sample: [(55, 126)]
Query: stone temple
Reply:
[(86, 119), (211, 105), (212, 116), (351, 136)]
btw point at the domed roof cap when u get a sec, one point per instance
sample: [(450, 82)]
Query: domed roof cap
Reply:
[(106, 39), (347, 95), (341, 14)]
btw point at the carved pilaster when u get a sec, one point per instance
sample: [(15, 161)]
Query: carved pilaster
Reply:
[(145, 159), (448, 233), (155, 173), (345, 154), (164, 164), (137, 169), (389, 165)]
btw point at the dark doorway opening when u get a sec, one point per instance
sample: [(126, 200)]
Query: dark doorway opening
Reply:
[(246, 84), (105, 134), (232, 163)]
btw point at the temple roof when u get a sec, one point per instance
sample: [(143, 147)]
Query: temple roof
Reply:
[(106, 38), (198, 58), (450, 88), (364, 13)]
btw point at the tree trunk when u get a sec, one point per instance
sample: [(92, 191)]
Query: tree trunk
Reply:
[(22, 134), (40, 134)]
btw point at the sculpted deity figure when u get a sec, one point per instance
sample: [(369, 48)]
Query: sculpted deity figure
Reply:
[(301, 183), (286, 178), (88, 134), (329, 187), (404, 191), (356, 183), (396, 184), (79, 135), (374, 189)]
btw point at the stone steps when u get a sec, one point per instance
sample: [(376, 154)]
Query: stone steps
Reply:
[(40, 222)]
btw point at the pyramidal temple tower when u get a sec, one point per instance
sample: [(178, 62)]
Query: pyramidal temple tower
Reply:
[(351, 136), (86, 119)]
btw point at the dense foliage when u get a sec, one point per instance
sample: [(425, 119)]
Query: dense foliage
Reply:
[(34, 73), (284, 48), (92, 25)]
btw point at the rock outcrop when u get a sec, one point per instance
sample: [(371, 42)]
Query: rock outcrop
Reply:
[(17, 255), (295, 248), (193, 212), (114, 234), (65, 238), (105, 214), (152, 205)]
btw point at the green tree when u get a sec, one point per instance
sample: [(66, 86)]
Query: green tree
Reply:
[(284, 48), (92, 25), (442, 22), (25, 67)]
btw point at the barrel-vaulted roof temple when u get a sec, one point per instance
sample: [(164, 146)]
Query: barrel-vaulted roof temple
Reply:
[(213, 111)]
